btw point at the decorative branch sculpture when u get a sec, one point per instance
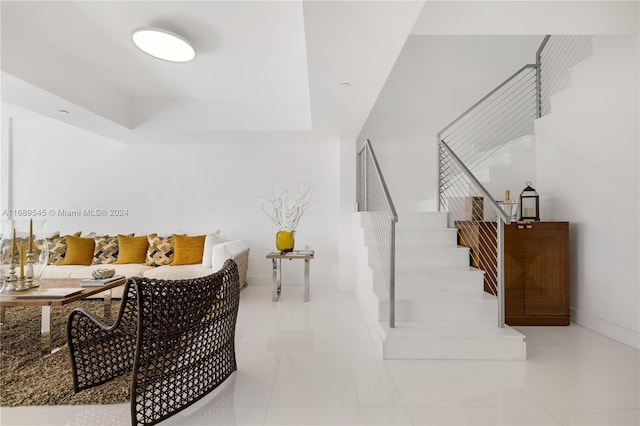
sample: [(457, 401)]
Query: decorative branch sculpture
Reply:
[(284, 214)]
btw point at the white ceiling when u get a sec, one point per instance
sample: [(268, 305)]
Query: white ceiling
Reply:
[(265, 69)]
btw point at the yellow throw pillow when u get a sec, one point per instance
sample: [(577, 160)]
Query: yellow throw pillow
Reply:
[(58, 247), (132, 249), (79, 251), (187, 250)]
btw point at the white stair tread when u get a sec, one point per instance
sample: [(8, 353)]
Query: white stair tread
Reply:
[(430, 269), (421, 295), (461, 330), (410, 227), (438, 269), (412, 245)]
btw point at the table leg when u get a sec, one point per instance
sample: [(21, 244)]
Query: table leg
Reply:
[(107, 304), (306, 280), (277, 279), (45, 331)]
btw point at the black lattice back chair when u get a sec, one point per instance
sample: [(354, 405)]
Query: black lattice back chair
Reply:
[(177, 338)]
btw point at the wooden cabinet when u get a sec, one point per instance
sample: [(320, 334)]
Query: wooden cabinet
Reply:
[(536, 268)]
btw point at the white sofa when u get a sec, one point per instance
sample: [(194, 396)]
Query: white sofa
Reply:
[(217, 253)]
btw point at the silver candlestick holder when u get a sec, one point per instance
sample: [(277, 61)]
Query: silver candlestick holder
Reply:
[(28, 269), (25, 282), (11, 277)]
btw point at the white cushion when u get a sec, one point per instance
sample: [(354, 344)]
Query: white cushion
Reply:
[(227, 250), (180, 272), (81, 271), (210, 241), (63, 271)]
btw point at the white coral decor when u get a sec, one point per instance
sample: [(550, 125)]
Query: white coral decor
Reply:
[(284, 214)]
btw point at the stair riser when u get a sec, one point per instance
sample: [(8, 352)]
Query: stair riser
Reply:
[(459, 262), (440, 237), (423, 237), (438, 310), (411, 220), (445, 257), (436, 281), (423, 220), (426, 256), (444, 348)]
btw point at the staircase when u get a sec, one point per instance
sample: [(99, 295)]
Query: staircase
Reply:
[(442, 311), (441, 308)]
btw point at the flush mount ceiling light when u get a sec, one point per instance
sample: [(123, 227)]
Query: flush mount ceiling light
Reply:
[(163, 44)]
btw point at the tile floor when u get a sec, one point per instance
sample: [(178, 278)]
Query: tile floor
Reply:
[(315, 364)]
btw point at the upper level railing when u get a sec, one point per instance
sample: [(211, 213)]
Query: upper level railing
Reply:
[(554, 58), (373, 197), (506, 113)]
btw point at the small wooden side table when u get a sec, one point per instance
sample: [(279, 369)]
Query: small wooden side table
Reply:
[(276, 260)]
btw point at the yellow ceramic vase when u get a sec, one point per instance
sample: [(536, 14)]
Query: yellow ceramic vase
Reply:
[(284, 241)]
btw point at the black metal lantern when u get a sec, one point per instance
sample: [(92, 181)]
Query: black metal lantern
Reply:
[(529, 204)]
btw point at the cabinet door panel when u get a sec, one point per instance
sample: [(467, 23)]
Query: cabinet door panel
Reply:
[(546, 275), (514, 264)]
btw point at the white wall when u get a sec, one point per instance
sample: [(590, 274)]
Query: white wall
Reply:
[(181, 187), (587, 156), (435, 79), (349, 224)]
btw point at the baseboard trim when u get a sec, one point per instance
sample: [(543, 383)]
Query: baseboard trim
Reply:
[(614, 331)]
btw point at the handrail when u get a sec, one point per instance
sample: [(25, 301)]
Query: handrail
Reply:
[(378, 171), (539, 74), (555, 57), (492, 202), (485, 97), (387, 217)]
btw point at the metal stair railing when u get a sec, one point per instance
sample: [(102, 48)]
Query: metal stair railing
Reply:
[(554, 58), (373, 197), (503, 115), (460, 186)]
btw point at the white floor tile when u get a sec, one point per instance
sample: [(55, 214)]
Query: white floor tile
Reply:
[(315, 364), (337, 416), (481, 416), (74, 415), (595, 417), (454, 395), (461, 372), (257, 368)]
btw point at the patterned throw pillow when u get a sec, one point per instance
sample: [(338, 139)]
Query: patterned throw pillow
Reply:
[(160, 250), (58, 247), (106, 250)]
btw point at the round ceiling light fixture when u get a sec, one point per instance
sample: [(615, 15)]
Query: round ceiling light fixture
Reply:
[(163, 44)]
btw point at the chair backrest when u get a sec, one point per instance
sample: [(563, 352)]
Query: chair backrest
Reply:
[(185, 345)]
